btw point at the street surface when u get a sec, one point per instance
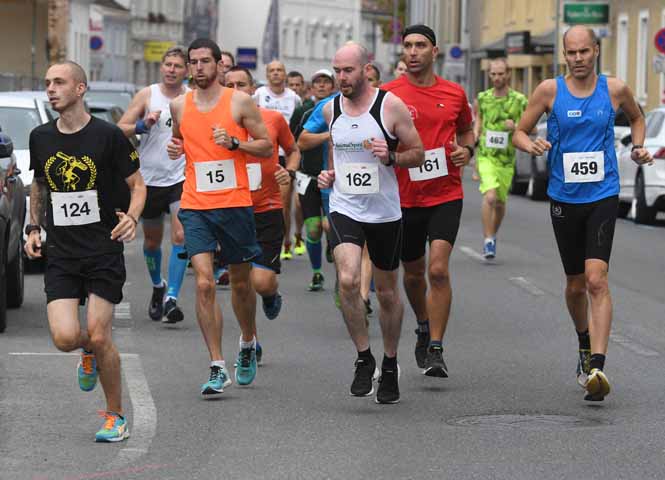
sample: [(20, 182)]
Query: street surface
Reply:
[(511, 408)]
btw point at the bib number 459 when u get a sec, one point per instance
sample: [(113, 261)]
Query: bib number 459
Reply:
[(584, 168)]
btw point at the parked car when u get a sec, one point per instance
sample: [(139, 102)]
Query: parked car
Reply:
[(644, 185), (115, 93), (12, 213)]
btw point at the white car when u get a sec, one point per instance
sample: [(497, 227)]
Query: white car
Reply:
[(644, 185)]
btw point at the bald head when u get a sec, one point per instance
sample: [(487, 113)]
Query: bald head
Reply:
[(352, 52), (75, 70), (276, 75), (580, 33)]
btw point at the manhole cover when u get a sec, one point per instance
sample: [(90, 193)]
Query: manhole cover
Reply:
[(525, 421)]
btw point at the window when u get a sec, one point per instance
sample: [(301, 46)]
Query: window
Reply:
[(622, 47), (642, 70), (655, 124)]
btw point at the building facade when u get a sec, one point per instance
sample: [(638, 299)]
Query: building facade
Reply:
[(109, 42)]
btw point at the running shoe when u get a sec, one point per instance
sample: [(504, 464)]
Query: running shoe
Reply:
[(87, 371), (434, 364), (172, 312), (329, 254), (156, 308), (223, 279), (364, 377), (246, 366), (583, 366), (219, 378), (114, 428), (259, 354), (597, 386), (422, 342), (489, 249), (272, 310), (299, 247), (317, 283), (388, 391), (286, 254)]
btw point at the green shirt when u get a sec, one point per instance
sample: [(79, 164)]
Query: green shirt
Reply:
[(494, 111)]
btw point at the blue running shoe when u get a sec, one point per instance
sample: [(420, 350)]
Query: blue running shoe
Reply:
[(87, 371), (489, 249), (259, 354), (272, 309), (246, 366), (219, 378), (114, 428)]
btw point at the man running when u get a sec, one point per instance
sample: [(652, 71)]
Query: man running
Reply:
[(366, 125), (431, 194), (584, 188), (212, 125), (374, 76), (296, 82), (76, 160), (148, 115), (498, 110), (276, 96)]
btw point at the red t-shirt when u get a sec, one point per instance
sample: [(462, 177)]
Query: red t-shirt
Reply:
[(268, 196), (439, 112)]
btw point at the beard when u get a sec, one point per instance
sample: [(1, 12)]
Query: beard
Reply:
[(204, 82), (354, 89)]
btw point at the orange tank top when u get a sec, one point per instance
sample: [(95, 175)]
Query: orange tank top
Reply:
[(214, 176)]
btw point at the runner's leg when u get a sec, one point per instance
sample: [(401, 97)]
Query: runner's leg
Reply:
[(208, 312)]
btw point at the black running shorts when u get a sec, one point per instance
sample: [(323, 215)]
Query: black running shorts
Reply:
[(384, 240), (584, 231), (159, 200), (440, 222), (269, 235)]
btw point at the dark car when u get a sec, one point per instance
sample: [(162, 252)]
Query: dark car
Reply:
[(12, 213)]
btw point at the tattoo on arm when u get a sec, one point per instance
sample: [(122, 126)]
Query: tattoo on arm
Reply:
[(38, 195)]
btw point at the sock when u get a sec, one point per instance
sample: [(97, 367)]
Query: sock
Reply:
[(389, 363), (177, 269), (218, 363), (423, 327), (597, 361), (153, 259), (250, 344), (436, 343), (365, 355), (489, 239), (584, 340)]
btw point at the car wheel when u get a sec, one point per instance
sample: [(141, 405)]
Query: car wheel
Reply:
[(538, 188), (15, 277), (3, 290), (644, 214), (518, 188), (624, 208)]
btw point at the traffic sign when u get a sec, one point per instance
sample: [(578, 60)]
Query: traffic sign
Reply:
[(246, 57), (456, 52), (659, 40), (96, 42), (586, 13)]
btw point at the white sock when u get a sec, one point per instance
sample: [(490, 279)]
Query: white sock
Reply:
[(218, 363), (489, 239), (250, 344)]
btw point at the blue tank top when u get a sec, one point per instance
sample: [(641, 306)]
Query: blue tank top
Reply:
[(582, 161)]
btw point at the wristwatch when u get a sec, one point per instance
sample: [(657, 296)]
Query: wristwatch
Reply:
[(292, 174), (392, 159), (635, 147), (32, 228), (470, 149), (235, 143)]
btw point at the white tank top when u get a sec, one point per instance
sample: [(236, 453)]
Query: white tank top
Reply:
[(285, 103), (157, 169), (365, 189)]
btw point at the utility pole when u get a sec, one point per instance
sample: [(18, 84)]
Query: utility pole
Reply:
[(555, 57)]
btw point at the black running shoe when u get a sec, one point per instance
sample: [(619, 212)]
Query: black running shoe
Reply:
[(368, 307), (329, 254), (156, 308), (172, 312), (317, 282), (434, 364), (388, 391), (363, 380), (421, 347)]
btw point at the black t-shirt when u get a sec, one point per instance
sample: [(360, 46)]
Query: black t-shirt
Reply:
[(311, 161), (96, 158)]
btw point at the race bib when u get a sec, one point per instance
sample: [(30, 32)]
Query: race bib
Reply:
[(498, 140), (434, 166), (302, 183), (215, 175), (254, 175), (75, 208), (360, 179), (584, 167)]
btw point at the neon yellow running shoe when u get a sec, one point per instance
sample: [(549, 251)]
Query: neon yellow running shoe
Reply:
[(286, 254), (299, 247)]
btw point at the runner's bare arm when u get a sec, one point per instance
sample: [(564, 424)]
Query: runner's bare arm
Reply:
[(125, 230), (292, 157), (177, 105), (308, 140), (539, 103), (478, 122), (626, 101), (38, 194), (411, 153), (260, 145), (327, 177), (135, 112)]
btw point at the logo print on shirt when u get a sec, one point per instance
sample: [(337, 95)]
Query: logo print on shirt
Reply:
[(355, 125), (440, 105), (557, 211), (413, 111), (367, 144), (574, 113), (69, 171)]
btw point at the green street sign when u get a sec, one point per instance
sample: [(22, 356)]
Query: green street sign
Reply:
[(589, 13)]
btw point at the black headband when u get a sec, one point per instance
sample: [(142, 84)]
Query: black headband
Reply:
[(422, 30)]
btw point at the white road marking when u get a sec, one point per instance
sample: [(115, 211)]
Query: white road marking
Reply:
[(527, 285), (634, 347), (123, 310), (470, 252)]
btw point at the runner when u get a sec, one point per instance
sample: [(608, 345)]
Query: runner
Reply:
[(374, 76), (312, 134), (296, 82), (400, 67), (76, 159), (265, 178), (584, 188), (149, 115), (431, 195), (366, 125), (498, 110), (211, 124), (276, 96)]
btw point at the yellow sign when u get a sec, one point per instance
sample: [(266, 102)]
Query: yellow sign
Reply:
[(154, 51)]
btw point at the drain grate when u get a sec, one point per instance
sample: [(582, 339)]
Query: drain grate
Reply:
[(528, 421)]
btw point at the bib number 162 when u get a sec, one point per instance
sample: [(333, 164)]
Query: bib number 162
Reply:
[(359, 179)]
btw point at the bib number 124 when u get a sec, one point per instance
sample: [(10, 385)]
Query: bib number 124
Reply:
[(71, 210)]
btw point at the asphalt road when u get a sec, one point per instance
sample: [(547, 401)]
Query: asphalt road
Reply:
[(510, 410)]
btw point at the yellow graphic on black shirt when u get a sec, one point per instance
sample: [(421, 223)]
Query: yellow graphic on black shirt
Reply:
[(69, 171)]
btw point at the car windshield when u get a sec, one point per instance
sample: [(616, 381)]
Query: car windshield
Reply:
[(120, 99), (102, 114), (18, 123)]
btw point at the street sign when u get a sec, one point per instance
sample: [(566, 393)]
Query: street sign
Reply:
[(154, 51), (659, 40), (247, 57), (586, 13), (659, 63), (96, 43), (456, 52)]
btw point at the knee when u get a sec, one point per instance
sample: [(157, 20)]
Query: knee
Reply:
[(151, 244), (178, 237), (414, 277), (240, 286), (205, 288), (596, 283), (387, 295), (348, 283), (65, 342), (576, 289), (491, 199), (439, 276), (313, 230), (99, 339)]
